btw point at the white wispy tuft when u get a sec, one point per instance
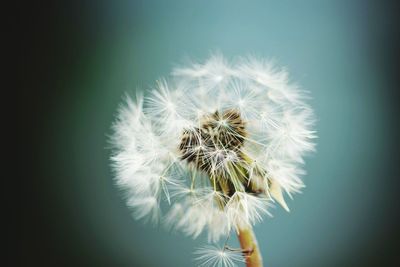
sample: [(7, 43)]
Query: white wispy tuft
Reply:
[(218, 142), (217, 257)]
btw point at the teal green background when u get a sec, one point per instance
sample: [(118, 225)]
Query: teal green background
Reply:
[(112, 47)]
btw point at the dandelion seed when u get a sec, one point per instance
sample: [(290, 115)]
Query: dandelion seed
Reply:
[(217, 257)]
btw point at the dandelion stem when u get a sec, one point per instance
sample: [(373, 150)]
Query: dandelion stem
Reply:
[(249, 245)]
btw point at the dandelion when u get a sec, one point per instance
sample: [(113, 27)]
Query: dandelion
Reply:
[(218, 143)]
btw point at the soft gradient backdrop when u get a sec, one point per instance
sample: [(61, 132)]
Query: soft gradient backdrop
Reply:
[(86, 56)]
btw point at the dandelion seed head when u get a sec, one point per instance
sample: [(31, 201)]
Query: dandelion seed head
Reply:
[(219, 142)]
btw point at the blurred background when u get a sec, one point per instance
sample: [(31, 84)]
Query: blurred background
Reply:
[(77, 60)]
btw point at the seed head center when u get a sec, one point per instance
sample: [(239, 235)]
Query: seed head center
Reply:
[(219, 138)]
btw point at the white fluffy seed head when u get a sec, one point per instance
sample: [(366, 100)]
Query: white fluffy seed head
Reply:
[(219, 142)]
